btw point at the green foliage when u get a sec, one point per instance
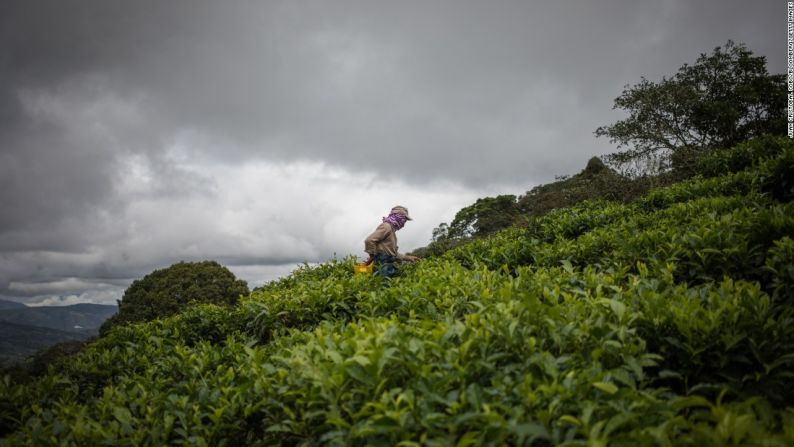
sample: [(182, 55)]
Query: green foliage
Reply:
[(723, 99), (596, 181), (486, 216), (743, 156), (167, 291), (55, 353), (778, 176), (663, 321)]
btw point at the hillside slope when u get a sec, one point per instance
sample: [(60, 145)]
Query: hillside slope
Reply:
[(5, 304), (665, 321), (491, 214), (75, 317), (19, 341), (26, 330)]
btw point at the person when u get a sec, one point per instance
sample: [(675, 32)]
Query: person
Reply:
[(381, 245)]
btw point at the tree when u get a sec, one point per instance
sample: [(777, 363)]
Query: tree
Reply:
[(167, 291), (441, 232), (723, 99), (485, 216), (595, 181)]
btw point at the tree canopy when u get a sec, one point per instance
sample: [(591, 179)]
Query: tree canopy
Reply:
[(725, 98), (485, 216), (167, 291)]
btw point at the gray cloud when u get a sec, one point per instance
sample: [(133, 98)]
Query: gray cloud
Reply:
[(131, 130)]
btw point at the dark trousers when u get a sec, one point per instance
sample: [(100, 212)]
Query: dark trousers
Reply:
[(385, 265)]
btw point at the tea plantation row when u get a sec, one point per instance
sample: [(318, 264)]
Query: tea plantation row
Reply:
[(666, 321)]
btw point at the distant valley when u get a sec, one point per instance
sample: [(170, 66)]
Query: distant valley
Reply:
[(25, 330)]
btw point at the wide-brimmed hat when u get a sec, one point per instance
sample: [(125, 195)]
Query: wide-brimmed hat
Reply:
[(399, 209)]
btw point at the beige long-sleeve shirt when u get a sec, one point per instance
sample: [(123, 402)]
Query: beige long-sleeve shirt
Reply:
[(383, 240)]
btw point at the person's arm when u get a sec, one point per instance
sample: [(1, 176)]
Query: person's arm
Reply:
[(407, 258)]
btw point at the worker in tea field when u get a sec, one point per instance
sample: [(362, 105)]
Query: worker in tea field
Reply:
[(381, 245)]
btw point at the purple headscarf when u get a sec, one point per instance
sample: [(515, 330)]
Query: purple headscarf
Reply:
[(396, 220)]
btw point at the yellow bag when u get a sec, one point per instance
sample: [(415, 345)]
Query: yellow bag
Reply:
[(361, 268)]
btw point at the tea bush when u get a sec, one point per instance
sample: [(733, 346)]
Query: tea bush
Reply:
[(663, 321), (743, 156), (168, 291)]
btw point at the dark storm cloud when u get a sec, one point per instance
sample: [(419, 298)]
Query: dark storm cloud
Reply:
[(457, 89), (116, 117)]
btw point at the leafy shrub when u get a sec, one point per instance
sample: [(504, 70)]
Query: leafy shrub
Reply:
[(596, 181), (778, 176), (167, 291), (742, 156), (778, 271)]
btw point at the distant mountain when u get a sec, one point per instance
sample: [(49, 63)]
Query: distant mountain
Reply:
[(18, 341), (77, 317), (11, 305), (25, 330)]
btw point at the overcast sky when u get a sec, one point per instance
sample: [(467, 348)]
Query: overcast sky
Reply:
[(264, 134)]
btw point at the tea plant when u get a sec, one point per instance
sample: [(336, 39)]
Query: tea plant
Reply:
[(664, 321)]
